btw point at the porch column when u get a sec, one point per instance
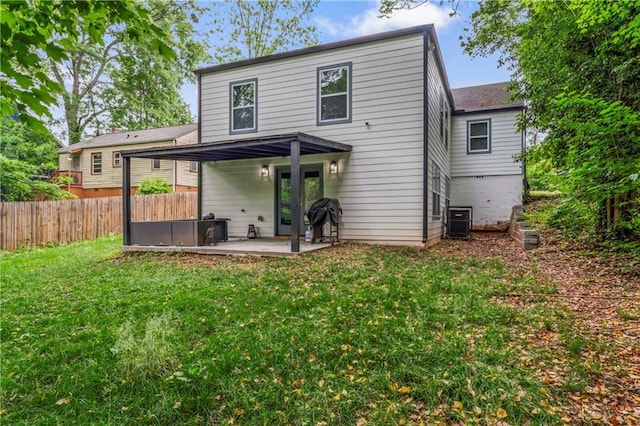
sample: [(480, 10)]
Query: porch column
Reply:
[(126, 200), (295, 196)]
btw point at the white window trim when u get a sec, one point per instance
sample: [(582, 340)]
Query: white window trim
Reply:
[(254, 128), (93, 163), (153, 164), (320, 96), (488, 136), (117, 159)]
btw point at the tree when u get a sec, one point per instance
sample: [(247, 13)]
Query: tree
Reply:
[(19, 182), (257, 28), (124, 81), (577, 63), (19, 142), (37, 32)]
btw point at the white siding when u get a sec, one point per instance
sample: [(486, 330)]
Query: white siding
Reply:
[(379, 184), (438, 152), (506, 142), (492, 198)]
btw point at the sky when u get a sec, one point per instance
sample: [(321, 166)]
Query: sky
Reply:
[(344, 19)]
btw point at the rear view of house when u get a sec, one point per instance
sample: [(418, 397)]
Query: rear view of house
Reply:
[(371, 122), (95, 164)]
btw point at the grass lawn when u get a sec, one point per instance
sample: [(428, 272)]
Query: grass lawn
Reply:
[(348, 335)]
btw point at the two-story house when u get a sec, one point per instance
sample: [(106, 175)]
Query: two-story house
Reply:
[(369, 121), (95, 164)]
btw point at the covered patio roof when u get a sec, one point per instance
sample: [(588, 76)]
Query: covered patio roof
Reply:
[(293, 145), (268, 146)]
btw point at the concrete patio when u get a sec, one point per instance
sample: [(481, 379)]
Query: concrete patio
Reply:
[(238, 247)]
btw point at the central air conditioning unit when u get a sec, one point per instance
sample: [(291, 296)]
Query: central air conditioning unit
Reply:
[(459, 222)]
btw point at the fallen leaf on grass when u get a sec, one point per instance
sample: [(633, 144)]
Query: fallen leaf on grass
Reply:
[(63, 401)]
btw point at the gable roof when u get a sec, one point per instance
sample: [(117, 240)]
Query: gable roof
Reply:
[(127, 137), (486, 97)]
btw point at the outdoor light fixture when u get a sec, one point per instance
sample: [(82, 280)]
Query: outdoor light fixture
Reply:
[(333, 167), (265, 170)]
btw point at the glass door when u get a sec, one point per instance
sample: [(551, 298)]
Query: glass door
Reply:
[(310, 188)]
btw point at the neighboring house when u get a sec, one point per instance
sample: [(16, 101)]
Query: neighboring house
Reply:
[(96, 164), (370, 121)]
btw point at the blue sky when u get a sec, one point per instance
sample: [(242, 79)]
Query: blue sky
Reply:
[(344, 19)]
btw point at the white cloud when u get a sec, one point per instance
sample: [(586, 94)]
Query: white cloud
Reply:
[(369, 21)]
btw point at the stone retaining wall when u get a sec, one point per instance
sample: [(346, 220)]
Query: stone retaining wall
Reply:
[(521, 231)]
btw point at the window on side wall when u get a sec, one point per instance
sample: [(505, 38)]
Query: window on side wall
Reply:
[(244, 106), (479, 136), (444, 120), (334, 94), (117, 159), (155, 164), (96, 163), (435, 187), (193, 166)]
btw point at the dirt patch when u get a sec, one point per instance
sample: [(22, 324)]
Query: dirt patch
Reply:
[(601, 291)]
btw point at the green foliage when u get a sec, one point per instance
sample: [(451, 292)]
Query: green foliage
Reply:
[(578, 64), (19, 142), (264, 27), (19, 181), (154, 186), (573, 217), (38, 33)]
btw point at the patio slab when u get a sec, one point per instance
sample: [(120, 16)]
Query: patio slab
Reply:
[(238, 247)]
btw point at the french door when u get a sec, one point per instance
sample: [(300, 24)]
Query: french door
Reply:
[(310, 190)]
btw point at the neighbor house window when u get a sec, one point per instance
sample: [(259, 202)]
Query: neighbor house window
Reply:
[(478, 136), (117, 159), (435, 187), (155, 164), (96, 163), (244, 111), (334, 94), (193, 166)]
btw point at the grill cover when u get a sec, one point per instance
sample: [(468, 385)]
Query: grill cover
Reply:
[(324, 209)]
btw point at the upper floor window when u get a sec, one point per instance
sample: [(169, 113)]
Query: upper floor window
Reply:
[(117, 159), (479, 136), (334, 94), (244, 106), (96, 163), (155, 164), (444, 120)]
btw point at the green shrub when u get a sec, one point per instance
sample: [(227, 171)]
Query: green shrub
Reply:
[(154, 186), (575, 218)]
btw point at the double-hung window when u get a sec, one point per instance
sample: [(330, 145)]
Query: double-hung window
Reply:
[(193, 166), (155, 164), (244, 106), (334, 94), (479, 136), (117, 159), (96, 163), (435, 186)]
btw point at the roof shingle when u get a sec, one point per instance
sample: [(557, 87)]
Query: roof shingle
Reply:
[(483, 98), (126, 137)]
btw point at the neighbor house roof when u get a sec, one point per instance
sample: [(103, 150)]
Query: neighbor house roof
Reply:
[(130, 137), (486, 97)]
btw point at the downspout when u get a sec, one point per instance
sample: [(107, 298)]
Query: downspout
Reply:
[(200, 164), (425, 130), (175, 167)]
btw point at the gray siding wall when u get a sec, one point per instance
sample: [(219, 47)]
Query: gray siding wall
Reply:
[(438, 152), (506, 142), (379, 184)]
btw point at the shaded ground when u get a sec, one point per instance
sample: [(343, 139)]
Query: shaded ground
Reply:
[(600, 294)]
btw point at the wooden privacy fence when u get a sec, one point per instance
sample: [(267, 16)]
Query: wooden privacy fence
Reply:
[(33, 223)]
